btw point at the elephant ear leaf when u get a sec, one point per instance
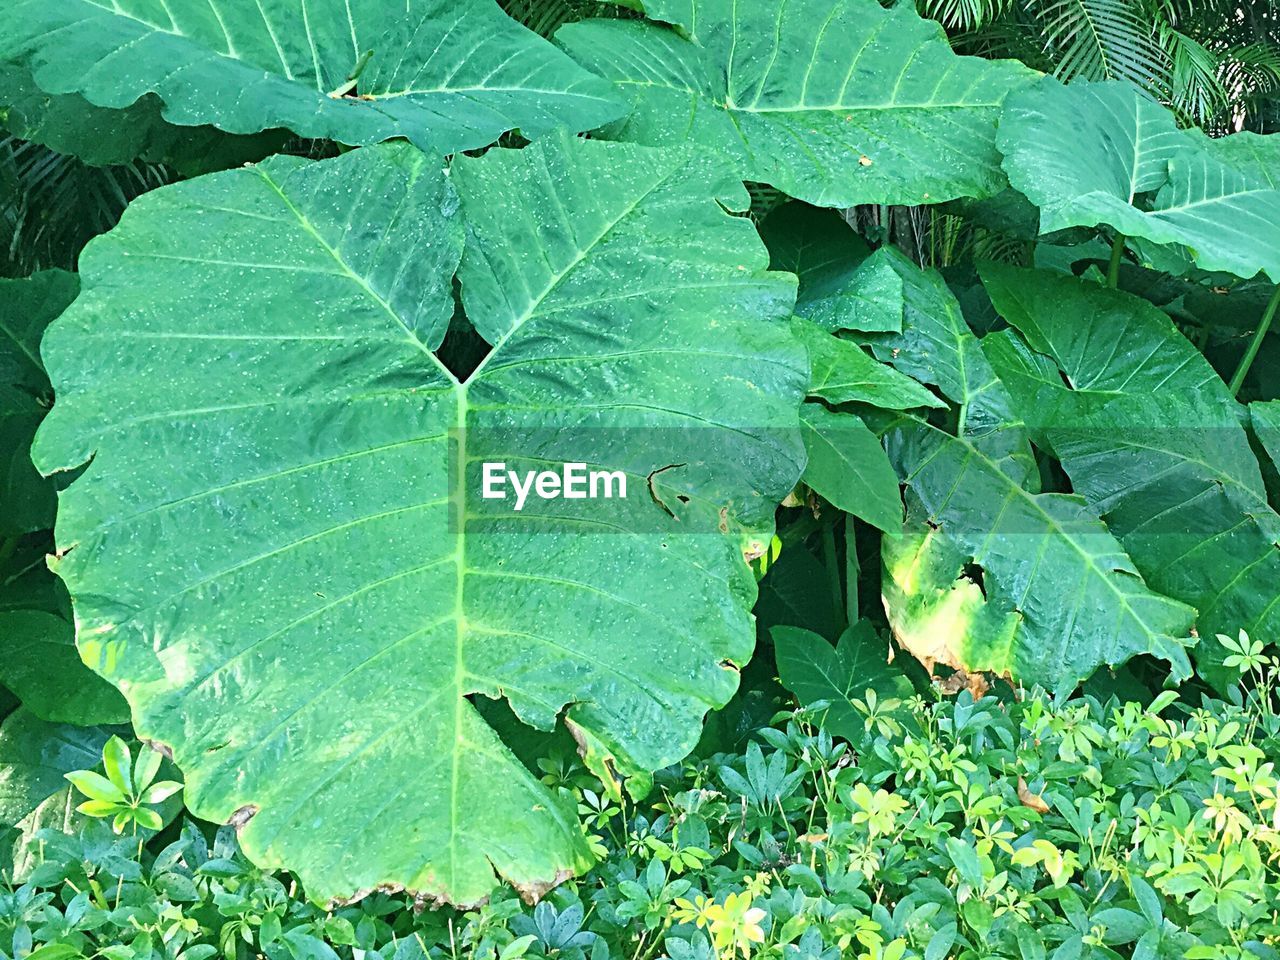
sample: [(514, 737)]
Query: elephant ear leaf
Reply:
[(1150, 436), (27, 306), (828, 258), (447, 75), (281, 465), (991, 575), (1101, 153), (98, 136), (834, 102), (1266, 424)]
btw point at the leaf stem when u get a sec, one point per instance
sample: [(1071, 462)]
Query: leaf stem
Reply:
[(1117, 255), (852, 570), (1242, 371), (833, 573), (353, 78)]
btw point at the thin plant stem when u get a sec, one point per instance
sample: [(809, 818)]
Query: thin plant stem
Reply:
[(1117, 255), (833, 573), (1242, 371), (852, 571)]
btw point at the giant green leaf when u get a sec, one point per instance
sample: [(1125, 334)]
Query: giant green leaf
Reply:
[(835, 102), (26, 308), (1150, 436), (848, 466), (1103, 153), (446, 74), (278, 552), (991, 574), (34, 755)]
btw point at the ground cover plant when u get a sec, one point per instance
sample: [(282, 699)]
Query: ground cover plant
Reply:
[(938, 615)]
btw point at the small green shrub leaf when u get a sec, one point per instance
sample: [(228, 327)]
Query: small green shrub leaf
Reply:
[(34, 758)]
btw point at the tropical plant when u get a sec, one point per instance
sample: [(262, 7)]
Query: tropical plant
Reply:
[(1216, 63), (917, 368)]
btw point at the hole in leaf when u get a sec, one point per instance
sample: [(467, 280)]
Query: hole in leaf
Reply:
[(975, 575)]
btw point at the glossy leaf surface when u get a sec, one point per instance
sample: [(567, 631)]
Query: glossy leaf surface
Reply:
[(278, 551), (1103, 153), (991, 574), (1150, 436), (446, 74), (835, 102)]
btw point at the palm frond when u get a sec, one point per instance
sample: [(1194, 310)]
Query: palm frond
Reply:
[(1196, 90), (963, 14), (1102, 40), (53, 204)]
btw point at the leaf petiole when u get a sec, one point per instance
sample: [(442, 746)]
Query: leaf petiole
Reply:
[(1117, 255), (1242, 371), (354, 77)]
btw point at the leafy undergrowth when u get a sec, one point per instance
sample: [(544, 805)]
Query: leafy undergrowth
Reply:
[(966, 829)]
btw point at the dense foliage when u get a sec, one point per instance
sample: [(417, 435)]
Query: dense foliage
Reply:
[(962, 828), (946, 397)]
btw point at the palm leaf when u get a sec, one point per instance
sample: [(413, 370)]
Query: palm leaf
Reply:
[(1102, 40), (54, 204), (963, 14)]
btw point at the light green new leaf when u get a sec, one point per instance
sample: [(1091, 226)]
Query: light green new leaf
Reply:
[(992, 575), (849, 468), (34, 756), (446, 74), (279, 554), (811, 668), (1103, 153), (26, 307), (835, 102), (838, 289), (1150, 436), (840, 371)]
